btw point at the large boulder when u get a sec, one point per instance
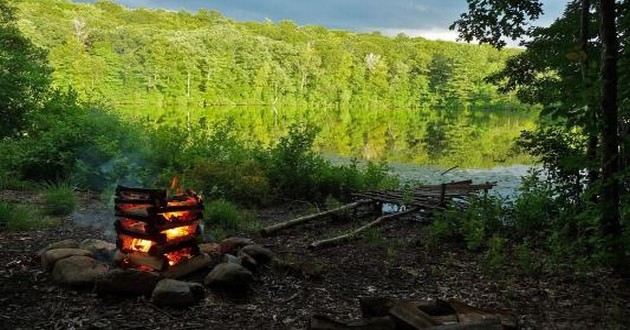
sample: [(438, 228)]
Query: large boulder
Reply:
[(169, 292), (102, 250), (50, 257), (127, 282), (65, 244), (229, 276), (258, 252), (78, 271)]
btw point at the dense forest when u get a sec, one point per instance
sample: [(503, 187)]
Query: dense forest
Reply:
[(373, 97)]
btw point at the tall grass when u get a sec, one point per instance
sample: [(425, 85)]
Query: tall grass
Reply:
[(20, 218), (59, 199), (223, 218)]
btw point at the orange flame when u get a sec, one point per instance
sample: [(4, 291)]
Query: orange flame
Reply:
[(179, 232), (135, 244), (176, 257)]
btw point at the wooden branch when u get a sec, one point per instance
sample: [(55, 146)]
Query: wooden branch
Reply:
[(354, 233), (294, 222)]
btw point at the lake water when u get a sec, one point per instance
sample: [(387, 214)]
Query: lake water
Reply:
[(507, 178)]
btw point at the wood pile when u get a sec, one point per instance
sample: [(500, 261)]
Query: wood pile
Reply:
[(421, 200)]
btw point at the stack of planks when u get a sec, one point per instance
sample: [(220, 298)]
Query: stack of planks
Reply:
[(422, 200)]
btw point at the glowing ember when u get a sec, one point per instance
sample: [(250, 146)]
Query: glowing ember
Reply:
[(177, 215), (141, 245), (190, 201), (135, 244), (134, 226), (178, 256), (180, 232)]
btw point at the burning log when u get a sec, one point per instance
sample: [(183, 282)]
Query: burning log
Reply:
[(156, 232)]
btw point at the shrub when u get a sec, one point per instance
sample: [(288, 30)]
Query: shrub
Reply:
[(495, 257), (21, 218), (475, 224), (59, 199), (223, 218)]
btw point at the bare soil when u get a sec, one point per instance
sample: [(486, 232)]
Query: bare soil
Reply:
[(397, 263)]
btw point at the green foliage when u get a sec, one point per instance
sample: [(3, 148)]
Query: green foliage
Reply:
[(474, 225), (375, 97), (496, 255), (540, 220), (526, 260), (222, 218), (24, 75), (59, 199), (21, 218)]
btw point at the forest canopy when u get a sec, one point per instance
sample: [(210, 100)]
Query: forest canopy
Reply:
[(373, 97)]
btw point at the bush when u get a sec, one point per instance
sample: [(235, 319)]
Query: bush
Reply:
[(74, 140), (59, 199), (484, 217), (21, 218), (223, 218)]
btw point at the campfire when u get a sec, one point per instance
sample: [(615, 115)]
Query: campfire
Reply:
[(156, 232)]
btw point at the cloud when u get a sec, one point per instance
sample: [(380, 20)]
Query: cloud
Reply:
[(430, 17)]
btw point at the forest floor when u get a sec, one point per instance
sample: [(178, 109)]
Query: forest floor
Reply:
[(396, 263)]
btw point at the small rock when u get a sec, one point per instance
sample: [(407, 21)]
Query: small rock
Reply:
[(177, 293), (231, 259), (258, 252), (78, 271), (127, 281), (65, 244), (210, 248), (102, 250), (232, 244), (50, 257), (248, 262), (229, 276)]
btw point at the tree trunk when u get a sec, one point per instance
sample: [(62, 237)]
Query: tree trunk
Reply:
[(609, 199), (593, 141)]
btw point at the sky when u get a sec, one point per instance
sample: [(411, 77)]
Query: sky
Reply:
[(426, 18)]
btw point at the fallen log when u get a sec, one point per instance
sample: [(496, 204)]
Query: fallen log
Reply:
[(354, 233), (294, 222)]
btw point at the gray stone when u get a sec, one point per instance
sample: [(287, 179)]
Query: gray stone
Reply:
[(169, 292), (78, 271), (229, 276), (102, 250), (231, 259), (65, 244), (127, 282), (258, 252), (233, 244), (50, 257), (210, 248), (248, 261)]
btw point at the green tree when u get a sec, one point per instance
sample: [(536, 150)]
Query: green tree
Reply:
[(24, 75)]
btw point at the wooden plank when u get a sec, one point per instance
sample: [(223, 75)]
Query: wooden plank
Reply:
[(294, 222), (354, 233)]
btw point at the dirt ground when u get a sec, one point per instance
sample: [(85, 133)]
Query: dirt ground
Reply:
[(396, 263)]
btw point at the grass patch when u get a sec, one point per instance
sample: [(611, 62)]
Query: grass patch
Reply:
[(59, 199), (223, 218), (20, 218)]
